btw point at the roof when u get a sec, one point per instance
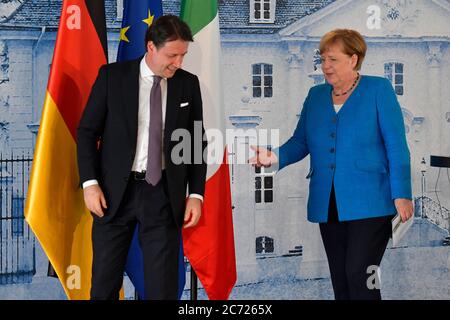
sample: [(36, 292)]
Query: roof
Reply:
[(233, 14), (39, 13)]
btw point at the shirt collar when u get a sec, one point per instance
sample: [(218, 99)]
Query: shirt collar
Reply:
[(145, 71)]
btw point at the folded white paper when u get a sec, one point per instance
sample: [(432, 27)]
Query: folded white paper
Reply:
[(399, 228)]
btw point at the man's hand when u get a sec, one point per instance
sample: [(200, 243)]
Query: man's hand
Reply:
[(193, 212), (263, 157), (404, 208), (95, 200)]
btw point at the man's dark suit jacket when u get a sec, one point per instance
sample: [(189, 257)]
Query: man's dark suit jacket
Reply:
[(107, 134)]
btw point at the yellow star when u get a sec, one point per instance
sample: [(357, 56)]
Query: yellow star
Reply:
[(149, 20), (123, 36)]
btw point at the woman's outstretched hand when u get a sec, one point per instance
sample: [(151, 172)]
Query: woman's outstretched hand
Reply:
[(263, 157)]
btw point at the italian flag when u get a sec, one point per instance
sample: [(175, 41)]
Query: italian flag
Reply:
[(210, 245), (55, 207)]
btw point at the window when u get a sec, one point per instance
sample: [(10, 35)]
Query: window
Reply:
[(17, 216), (394, 72), (262, 80), (264, 185), (262, 11), (264, 245)]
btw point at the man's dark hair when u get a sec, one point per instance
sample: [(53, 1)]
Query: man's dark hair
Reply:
[(167, 28)]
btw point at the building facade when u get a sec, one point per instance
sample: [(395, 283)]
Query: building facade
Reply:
[(270, 60)]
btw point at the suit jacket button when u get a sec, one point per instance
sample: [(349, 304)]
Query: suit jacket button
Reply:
[(125, 178), (332, 150), (334, 120), (332, 166), (333, 135)]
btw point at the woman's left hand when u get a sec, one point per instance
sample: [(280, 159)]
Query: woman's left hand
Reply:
[(404, 208)]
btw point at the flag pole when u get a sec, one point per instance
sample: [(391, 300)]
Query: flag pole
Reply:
[(193, 284)]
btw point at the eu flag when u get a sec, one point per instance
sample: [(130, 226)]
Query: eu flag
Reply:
[(138, 15)]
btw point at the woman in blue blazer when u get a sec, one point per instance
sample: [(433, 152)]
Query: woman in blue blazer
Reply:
[(352, 128)]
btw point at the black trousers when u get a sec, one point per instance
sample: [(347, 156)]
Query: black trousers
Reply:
[(354, 249), (158, 237)]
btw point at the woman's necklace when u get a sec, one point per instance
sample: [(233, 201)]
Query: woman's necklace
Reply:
[(344, 93)]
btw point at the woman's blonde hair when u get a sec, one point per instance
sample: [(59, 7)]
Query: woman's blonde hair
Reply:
[(352, 43)]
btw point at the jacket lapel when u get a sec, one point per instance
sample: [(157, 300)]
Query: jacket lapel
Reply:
[(130, 93), (350, 100), (174, 86)]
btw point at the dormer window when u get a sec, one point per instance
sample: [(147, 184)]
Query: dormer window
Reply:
[(7, 8), (262, 11), (119, 10)]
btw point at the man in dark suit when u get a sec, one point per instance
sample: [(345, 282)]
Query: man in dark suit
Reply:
[(126, 165)]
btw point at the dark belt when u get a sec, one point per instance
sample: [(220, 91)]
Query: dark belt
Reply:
[(135, 175)]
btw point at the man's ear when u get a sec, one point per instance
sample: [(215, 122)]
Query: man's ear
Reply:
[(151, 46)]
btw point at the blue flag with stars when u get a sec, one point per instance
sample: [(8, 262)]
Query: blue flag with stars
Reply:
[(138, 15)]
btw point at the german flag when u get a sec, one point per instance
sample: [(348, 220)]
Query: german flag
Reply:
[(55, 207)]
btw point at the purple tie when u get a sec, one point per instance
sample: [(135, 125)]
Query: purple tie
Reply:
[(154, 155)]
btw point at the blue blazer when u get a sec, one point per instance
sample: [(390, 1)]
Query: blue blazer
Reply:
[(362, 150)]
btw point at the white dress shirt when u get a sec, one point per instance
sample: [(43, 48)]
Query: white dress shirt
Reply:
[(145, 86)]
